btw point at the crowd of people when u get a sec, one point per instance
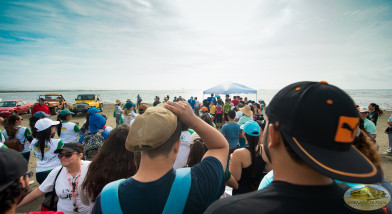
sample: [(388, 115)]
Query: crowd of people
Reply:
[(178, 156)]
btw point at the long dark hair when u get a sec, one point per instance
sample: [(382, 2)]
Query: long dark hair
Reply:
[(60, 118), (377, 109), (32, 122), (85, 126), (196, 153), (101, 170), (9, 125), (43, 136), (253, 141)]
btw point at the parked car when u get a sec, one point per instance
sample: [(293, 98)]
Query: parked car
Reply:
[(9, 107), (54, 102), (85, 102)]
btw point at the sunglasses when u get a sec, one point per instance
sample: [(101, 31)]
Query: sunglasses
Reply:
[(29, 174), (67, 154)]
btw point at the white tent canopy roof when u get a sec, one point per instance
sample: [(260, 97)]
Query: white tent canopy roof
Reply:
[(230, 88)]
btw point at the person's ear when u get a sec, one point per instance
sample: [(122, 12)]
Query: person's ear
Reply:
[(80, 155), (275, 136), (177, 146), (23, 181)]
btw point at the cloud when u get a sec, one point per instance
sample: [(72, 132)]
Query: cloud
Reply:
[(140, 44)]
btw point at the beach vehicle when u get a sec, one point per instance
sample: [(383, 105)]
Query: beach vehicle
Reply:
[(54, 102), (83, 102), (10, 107)]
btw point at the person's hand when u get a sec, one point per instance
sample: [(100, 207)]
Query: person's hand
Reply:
[(183, 111)]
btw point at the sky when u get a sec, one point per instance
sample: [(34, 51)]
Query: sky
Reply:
[(184, 44)]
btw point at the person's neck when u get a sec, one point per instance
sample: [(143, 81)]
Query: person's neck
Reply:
[(300, 174), (152, 169), (75, 168), (231, 120), (12, 210)]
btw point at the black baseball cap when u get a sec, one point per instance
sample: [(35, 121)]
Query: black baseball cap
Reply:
[(71, 147), (320, 122), (12, 166)]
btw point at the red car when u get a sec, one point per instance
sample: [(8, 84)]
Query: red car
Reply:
[(9, 107)]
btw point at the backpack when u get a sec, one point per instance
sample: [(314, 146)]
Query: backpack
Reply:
[(175, 203), (92, 142), (14, 143)]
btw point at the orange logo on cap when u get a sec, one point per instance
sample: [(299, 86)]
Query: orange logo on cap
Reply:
[(347, 128)]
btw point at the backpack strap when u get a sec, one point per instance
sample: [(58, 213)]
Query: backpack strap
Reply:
[(54, 188), (110, 202), (179, 192)]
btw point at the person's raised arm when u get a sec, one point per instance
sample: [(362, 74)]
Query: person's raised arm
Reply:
[(216, 143), (32, 196)]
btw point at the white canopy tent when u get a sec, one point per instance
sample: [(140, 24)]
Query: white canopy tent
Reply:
[(230, 88)]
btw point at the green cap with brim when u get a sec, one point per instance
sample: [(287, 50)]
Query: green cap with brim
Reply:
[(65, 112)]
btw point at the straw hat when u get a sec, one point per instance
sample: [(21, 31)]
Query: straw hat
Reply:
[(118, 102), (246, 110)]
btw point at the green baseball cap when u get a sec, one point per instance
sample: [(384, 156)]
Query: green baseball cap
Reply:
[(65, 112)]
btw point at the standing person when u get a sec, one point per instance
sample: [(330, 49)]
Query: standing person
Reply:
[(38, 115), (374, 113), (213, 109), (238, 112), (156, 101), (101, 170), (300, 151), (67, 130), (67, 182), (14, 178), (247, 165), (248, 115), (369, 125), (183, 151), (118, 111), (14, 129), (44, 146), (218, 116), (262, 106), (165, 100), (226, 109), (235, 100), (138, 100), (96, 136), (128, 115), (197, 107), (1, 134), (388, 131), (191, 102), (40, 106), (232, 132), (211, 99), (158, 143)]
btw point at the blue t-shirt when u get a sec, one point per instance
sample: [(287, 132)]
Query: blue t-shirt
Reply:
[(192, 103), (211, 99), (207, 186), (232, 132)]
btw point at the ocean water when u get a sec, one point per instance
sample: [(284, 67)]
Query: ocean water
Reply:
[(382, 97)]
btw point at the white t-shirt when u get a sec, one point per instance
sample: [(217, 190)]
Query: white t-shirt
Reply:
[(21, 135), (197, 103), (238, 114), (183, 153), (50, 160), (69, 132), (63, 189)]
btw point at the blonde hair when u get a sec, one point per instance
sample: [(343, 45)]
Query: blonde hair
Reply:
[(127, 111)]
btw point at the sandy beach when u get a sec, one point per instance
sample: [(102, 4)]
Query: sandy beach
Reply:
[(382, 140)]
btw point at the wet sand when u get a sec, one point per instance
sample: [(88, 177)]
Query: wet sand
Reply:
[(382, 141)]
